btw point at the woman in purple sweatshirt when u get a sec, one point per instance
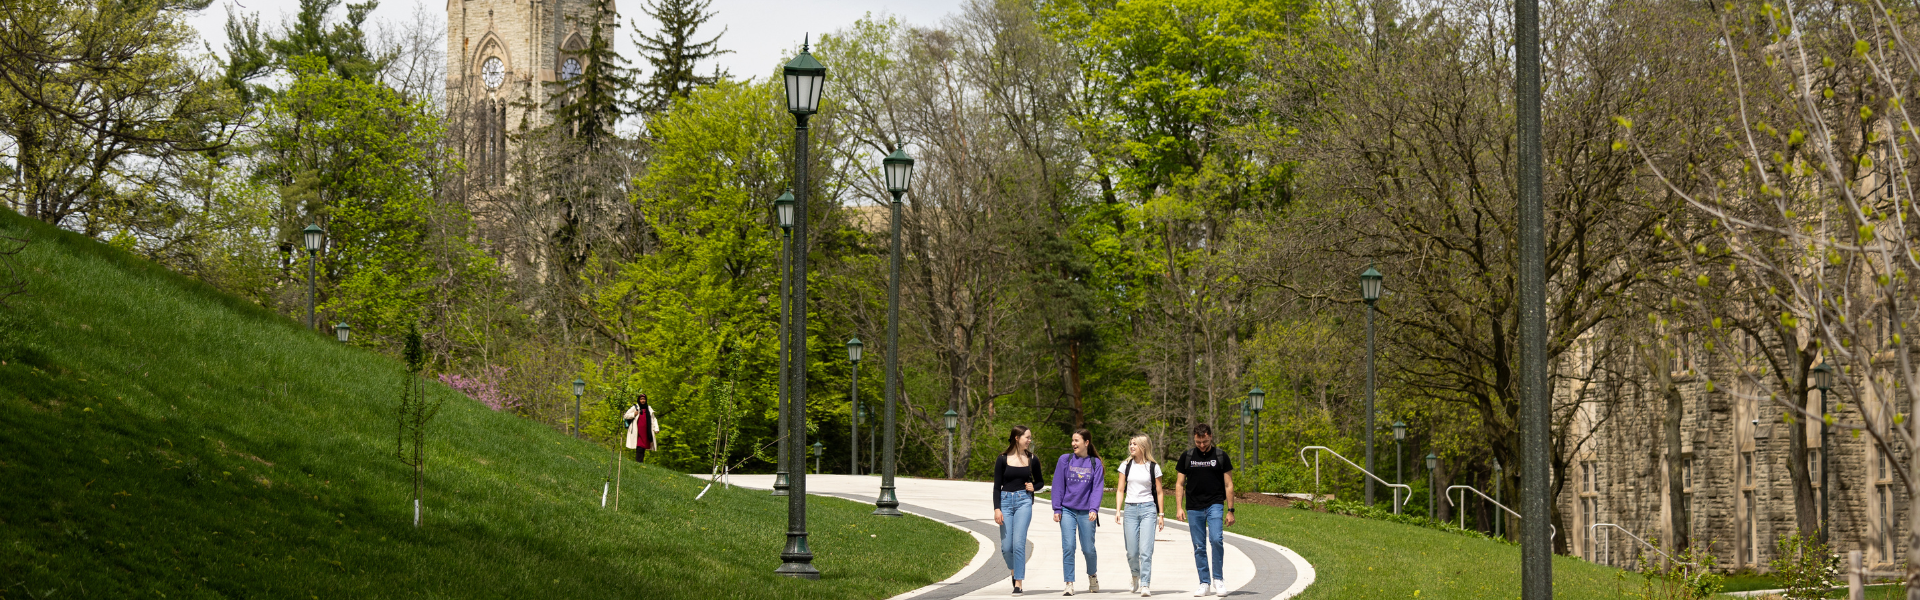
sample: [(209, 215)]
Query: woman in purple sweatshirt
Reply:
[(1078, 482)]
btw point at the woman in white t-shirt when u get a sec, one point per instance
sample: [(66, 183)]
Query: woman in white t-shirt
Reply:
[(1139, 496)]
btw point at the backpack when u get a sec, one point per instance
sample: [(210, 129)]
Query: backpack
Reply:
[(1126, 479)]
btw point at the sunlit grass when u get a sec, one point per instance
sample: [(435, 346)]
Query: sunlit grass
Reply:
[(160, 439)]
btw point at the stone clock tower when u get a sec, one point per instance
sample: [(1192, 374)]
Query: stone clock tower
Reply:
[(501, 54)]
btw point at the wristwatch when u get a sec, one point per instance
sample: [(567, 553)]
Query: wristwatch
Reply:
[(1229, 510)]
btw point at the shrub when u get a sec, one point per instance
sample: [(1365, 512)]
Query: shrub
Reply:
[(485, 389), (1806, 567), (1691, 577), (1364, 511)]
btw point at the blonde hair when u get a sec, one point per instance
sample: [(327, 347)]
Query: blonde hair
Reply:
[(1146, 447)]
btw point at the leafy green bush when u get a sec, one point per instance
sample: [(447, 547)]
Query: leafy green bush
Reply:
[(1277, 476), (1357, 509), (1806, 567), (1691, 577)]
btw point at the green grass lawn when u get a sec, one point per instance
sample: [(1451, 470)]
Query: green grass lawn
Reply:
[(159, 439), (1360, 558)]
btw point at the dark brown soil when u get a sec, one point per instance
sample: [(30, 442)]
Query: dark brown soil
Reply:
[(1262, 499)]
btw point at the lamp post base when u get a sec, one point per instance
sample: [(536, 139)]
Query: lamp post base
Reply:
[(887, 505), (780, 483), (797, 560)]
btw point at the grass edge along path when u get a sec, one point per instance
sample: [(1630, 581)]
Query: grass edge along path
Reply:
[(1364, 558), (161, 439)]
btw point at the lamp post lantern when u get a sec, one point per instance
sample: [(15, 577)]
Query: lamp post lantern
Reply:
[(953, 420), (1370, 291), (805, 78), (1432, 463), (898, 168), (341, 331), (1823, 381), (783, 214), (854, 408), (1399, 436), (579, 389), (314, 238)]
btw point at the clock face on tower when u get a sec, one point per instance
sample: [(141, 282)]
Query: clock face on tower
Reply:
[(570, 69), (493, 72)]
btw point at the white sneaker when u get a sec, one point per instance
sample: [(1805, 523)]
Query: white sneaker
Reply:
[(1144, 592), (1093, 584), (1219, 588), (1136, 585), (1203, 590), (1069, 588)]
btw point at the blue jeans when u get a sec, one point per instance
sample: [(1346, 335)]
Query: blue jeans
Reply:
[(1138, 526), (1016, 509), (1076, 525), (1206, 529)]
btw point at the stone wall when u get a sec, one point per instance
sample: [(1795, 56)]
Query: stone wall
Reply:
[(1626, 450)]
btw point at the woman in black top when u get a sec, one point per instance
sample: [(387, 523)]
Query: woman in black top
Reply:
[(1015, 477)]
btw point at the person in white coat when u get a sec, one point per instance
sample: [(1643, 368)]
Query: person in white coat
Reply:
[(642, 428)]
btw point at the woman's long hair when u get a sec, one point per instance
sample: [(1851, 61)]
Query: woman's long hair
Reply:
[(1146, 447), (1013, 439), (1088, 436)]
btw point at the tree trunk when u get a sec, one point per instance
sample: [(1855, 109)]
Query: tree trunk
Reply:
[(1656, 361), (1806, 510)]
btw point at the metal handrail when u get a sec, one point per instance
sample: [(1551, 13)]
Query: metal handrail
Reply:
[(1554, 531), (1608, 546), (1397, 487)]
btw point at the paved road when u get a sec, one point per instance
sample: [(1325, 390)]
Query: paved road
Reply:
[(1256, 569)]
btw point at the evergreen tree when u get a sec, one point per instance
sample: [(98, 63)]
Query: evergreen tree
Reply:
[(672, 53), (592, 102), (343, 45)]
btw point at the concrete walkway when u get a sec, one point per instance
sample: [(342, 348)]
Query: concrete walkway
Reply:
[(1255, 569)]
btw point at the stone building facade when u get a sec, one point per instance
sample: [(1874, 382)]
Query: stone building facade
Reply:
[(1734, 459), (502, 56)]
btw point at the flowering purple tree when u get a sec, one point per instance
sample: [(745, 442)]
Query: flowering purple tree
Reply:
[(485, 388)]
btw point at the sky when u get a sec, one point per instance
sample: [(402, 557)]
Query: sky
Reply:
[(761, 33)]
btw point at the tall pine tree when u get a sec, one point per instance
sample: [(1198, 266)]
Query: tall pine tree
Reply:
[(593, 101), (672, 53)]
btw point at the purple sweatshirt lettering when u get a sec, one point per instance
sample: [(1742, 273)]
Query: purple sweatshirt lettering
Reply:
[(1078, 482)]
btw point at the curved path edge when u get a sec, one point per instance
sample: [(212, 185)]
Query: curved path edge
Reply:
[(1280, 573)]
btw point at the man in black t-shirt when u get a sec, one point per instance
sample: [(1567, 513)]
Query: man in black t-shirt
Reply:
[(1204, 491)]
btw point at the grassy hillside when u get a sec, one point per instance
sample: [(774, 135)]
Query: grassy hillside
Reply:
[(159, 439)]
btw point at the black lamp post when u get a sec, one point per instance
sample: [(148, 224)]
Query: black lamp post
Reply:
[(859, 412), (1432, 463), (819, 450), (898, 168), (1823, 381), (314, 237), (804, 79), (579, 389), (341, 331), (953, 420), (1536, 396), (783, 212), (1399, 436), (1370, 291), (1256, 401)]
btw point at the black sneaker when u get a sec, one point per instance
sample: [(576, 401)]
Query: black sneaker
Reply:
[(1016, 590)]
